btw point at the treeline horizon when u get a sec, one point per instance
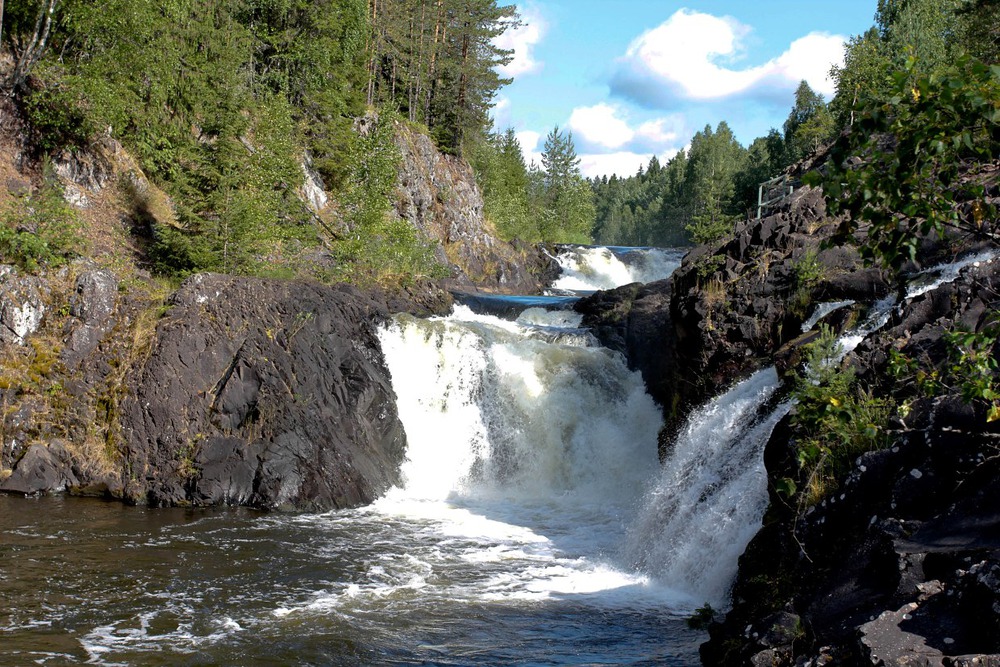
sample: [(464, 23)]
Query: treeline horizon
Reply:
[(698, 194), (225, 104)]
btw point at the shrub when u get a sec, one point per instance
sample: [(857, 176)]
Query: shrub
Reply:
[(838, 420), (40, 229), (907, 167)]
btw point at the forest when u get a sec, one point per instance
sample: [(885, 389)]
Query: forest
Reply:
[(228, 106), (698, 194)]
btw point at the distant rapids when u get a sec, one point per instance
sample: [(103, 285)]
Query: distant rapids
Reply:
[(590, 268)]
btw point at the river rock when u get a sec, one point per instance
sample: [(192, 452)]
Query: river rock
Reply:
[(44, 467), (263, 393)]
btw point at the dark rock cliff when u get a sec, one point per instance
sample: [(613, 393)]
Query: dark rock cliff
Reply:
[(263, 393), (899, 564), (731, 306)]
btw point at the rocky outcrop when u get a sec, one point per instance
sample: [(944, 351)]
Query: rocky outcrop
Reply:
[(22, 305), (731, 306), (263, 393), (93, 307), (437, 193), (898, 565)]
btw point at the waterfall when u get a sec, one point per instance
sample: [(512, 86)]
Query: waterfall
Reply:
[(527, 439), (517, 409), (711, 494), (586, 268), (534, 450)]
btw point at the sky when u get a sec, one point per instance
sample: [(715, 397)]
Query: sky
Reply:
[(636, 78)]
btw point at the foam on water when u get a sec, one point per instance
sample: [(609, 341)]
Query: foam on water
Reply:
[(711, 494), (586, 269), (530, 454)]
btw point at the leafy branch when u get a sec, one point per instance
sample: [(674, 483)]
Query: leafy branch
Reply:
[(912, 166)]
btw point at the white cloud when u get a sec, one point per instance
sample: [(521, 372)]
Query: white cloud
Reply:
[(599, 125), (690, 57), (607, 128), (810, 58), (501, 112), (656, 132), (529, 140), (522, 39)]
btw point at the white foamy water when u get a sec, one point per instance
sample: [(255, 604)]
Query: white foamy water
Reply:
[(532, 454), (933, 277), (711, 495), (586, 269)]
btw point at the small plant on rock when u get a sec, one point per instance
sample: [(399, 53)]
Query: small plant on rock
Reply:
[(41, 229), (838, 420)]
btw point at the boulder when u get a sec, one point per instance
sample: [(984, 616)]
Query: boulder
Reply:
[(263, 393), (44, 468)]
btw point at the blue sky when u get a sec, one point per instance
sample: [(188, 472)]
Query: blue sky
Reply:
[(636, 78)]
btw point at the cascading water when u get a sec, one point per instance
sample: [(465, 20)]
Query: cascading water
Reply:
[(549, 438), (712, 493), (590, 268)]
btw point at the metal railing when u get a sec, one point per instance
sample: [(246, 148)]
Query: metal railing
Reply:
[(773, 192)]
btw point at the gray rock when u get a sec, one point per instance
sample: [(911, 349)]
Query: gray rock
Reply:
[(43, 468), (264, 393), (438, 195), (22, 306), (93, 303)]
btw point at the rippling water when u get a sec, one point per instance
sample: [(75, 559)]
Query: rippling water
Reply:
[(88, 581), (531, 452)]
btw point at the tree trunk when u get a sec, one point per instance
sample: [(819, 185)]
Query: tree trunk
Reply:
[(26, 60), (438, 39)]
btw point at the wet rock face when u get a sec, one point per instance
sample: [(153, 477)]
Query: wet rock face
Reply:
[(263, 393), (43, 468)]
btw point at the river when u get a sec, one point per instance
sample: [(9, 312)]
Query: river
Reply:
[(535, 525)]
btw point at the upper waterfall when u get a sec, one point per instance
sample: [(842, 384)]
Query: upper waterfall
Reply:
[(590, 268)]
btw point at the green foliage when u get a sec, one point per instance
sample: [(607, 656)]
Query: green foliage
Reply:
[(809, 125), (378, 246), (916, 154), (808, 270), (865, 75), (644, 209), (969, 369), (437, 61), (973, 364), (56, 119), (922, 37), (978, 29), (702, 617), (560, 199), (838, 420), (710, 183), (40, 230), (503, 178)]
